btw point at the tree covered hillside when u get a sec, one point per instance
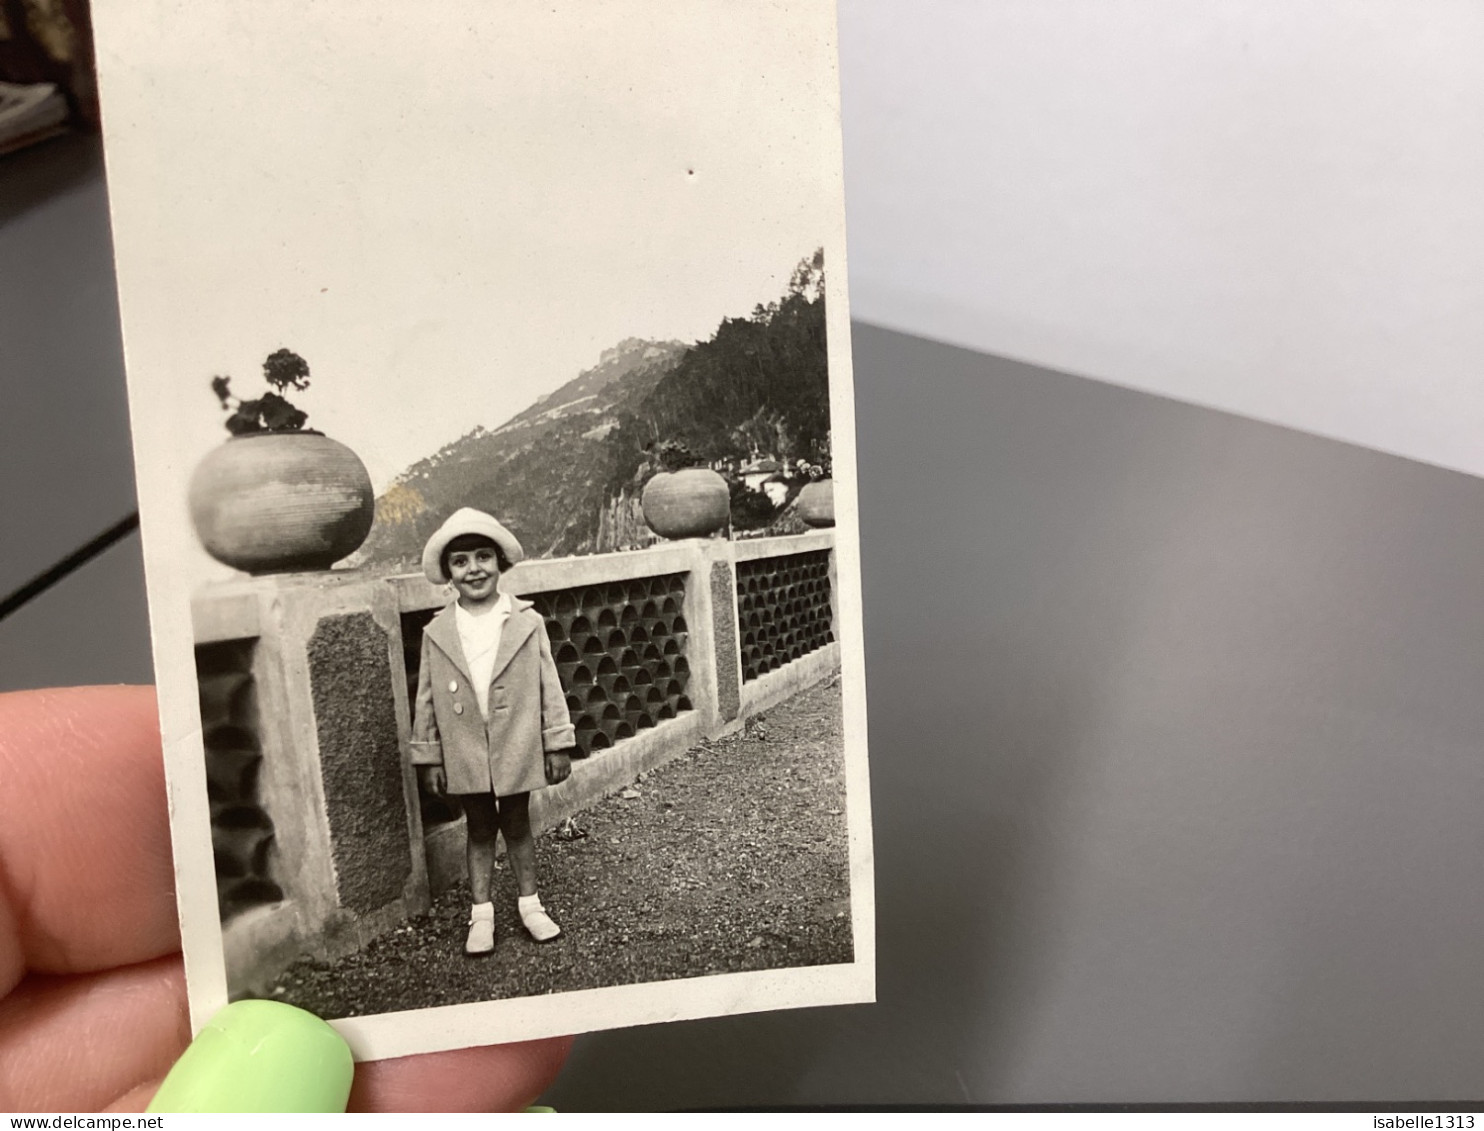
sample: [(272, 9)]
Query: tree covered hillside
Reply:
[(758, 385)]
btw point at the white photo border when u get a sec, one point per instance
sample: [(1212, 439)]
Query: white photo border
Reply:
[(161, 474)]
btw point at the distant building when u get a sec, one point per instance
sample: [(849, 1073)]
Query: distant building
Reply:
[(758, 472)]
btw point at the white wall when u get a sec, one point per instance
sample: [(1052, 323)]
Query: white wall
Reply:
[(1275, 208)]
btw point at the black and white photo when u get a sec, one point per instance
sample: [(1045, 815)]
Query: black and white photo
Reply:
[(490, 381)]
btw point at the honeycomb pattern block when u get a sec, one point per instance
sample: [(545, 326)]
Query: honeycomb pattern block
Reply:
[(621, 650), (783, 610), (241, 830)]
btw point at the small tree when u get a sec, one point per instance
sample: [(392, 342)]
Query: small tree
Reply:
[(272, 412)]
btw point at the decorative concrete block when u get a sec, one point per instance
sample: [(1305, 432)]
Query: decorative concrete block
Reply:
[(242, 834), (784, 610), (620, 650)]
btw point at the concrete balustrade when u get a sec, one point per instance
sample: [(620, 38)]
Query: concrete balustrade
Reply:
[(323, 841)]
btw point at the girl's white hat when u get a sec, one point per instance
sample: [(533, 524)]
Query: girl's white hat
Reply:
[(466, 520)]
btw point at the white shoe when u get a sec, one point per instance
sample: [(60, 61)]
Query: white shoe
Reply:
[(536, 920), (481, 940)]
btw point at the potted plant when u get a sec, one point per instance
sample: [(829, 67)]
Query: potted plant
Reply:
[(816, 501), (278, 496), (683, 500)]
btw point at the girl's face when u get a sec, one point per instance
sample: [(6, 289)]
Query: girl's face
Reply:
[(474, 573)]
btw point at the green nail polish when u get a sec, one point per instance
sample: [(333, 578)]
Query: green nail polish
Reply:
[(260, 1056)]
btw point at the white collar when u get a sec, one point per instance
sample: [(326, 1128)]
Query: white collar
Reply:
[(500, 608)]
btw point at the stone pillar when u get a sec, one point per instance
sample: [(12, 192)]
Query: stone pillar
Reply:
[(335, 776), (718, 577), (353, 692)]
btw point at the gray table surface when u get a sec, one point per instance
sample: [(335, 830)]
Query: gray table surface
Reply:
[(1175, 725)]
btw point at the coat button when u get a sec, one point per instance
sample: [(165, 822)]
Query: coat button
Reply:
[(458, 708), (453, 685)]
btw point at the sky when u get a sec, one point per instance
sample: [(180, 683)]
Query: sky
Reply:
[(448, 209)]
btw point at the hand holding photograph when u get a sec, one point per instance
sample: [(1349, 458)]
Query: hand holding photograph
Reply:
[(508, 630)]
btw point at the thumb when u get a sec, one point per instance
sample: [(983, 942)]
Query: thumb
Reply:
[(260, 1056)]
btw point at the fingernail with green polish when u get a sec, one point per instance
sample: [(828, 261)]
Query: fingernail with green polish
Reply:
[(260, 1056)]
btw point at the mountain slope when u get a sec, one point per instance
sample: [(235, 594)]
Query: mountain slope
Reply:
[(759, 384), (530, 471)]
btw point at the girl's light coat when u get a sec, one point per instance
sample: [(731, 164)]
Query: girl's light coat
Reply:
[(527, 708)]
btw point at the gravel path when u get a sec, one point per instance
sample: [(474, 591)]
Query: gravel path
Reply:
[(732, 857)]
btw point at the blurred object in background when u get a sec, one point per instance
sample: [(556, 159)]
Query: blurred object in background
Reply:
[(29, 114), (45, 42)]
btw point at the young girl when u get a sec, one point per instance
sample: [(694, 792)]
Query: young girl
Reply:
[(490, 723)]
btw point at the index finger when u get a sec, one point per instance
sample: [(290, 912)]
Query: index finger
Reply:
[(85, 872)]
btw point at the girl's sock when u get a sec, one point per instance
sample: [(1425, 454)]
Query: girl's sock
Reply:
[(535, 918)]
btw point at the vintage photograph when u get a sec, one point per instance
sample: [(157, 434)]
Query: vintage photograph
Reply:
[(490, 381)]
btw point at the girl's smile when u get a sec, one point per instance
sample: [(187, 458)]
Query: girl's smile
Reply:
[(475, 574)]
